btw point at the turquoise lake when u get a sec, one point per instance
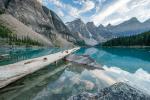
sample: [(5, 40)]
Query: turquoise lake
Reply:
[(18, 54), (129, 59), (59, 82)]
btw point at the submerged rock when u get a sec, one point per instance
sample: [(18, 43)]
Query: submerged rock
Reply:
[(118, 91), (84, 60), (3, 56)]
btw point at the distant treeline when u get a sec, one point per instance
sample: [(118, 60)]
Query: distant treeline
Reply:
[(80, 43), (12, 39), (136, 40)]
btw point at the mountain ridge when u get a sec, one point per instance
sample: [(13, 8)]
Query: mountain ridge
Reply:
[(21, 30), (40, 19), (104, 33), (78, 27)]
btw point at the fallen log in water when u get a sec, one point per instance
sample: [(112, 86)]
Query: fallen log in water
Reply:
[(12, 72)]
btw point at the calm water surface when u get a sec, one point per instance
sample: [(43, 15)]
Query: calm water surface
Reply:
[(58, 82), (13, 55), (129, 59)]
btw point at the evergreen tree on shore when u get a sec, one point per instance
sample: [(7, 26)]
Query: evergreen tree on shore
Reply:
[(12, 39), (136, 40)]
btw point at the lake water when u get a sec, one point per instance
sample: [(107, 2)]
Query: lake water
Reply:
[(17, 54), (129, 59), (59, 82)]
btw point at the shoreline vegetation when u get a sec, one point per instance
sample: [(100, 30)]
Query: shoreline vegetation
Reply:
[(137, 41), (138, 46)]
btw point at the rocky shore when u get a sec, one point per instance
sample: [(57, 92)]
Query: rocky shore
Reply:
[(118, 91)]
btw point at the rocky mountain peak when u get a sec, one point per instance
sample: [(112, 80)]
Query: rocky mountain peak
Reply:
[(91, 25), (147, 21), (79, 26), (101, 26), (109, 25), (134, 19), (78, 20)]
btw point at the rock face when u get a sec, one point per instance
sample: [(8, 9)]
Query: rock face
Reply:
[(40, 19), (22, 30), (2, 5), (89, 31), (118, 91), (79, 26), (80, 30), (129, 27), (102, 34), (99, 33)]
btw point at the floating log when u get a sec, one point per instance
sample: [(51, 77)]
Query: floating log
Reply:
[(12, 72)]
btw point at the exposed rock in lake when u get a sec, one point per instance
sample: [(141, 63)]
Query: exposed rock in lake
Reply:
[(118, 91), (3, 56), (84, 60)]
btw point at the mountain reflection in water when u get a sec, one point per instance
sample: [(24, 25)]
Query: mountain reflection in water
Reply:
[(59, 82), (54, 83)]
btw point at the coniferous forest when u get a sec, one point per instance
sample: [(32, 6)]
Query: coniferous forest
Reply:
[(12, 39), (136, 40)]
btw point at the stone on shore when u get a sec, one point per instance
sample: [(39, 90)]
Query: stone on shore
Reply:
[(118, 91)]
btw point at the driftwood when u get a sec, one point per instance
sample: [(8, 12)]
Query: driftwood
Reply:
[(13, 72)]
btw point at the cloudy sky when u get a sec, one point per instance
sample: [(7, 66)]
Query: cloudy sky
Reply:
[(100, 11)]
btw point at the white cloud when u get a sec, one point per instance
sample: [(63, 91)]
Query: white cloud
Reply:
[(72, 11), (87, 6), (76, 12), (124, 10), (57, 3), (140, 9), (114, 21), (99, 4), (78, 2), (98, 18), (60, 13), (113, 12), (40, 1)]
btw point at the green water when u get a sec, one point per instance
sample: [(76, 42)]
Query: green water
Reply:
[(129, 59), (59, 82), (17, 54)]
